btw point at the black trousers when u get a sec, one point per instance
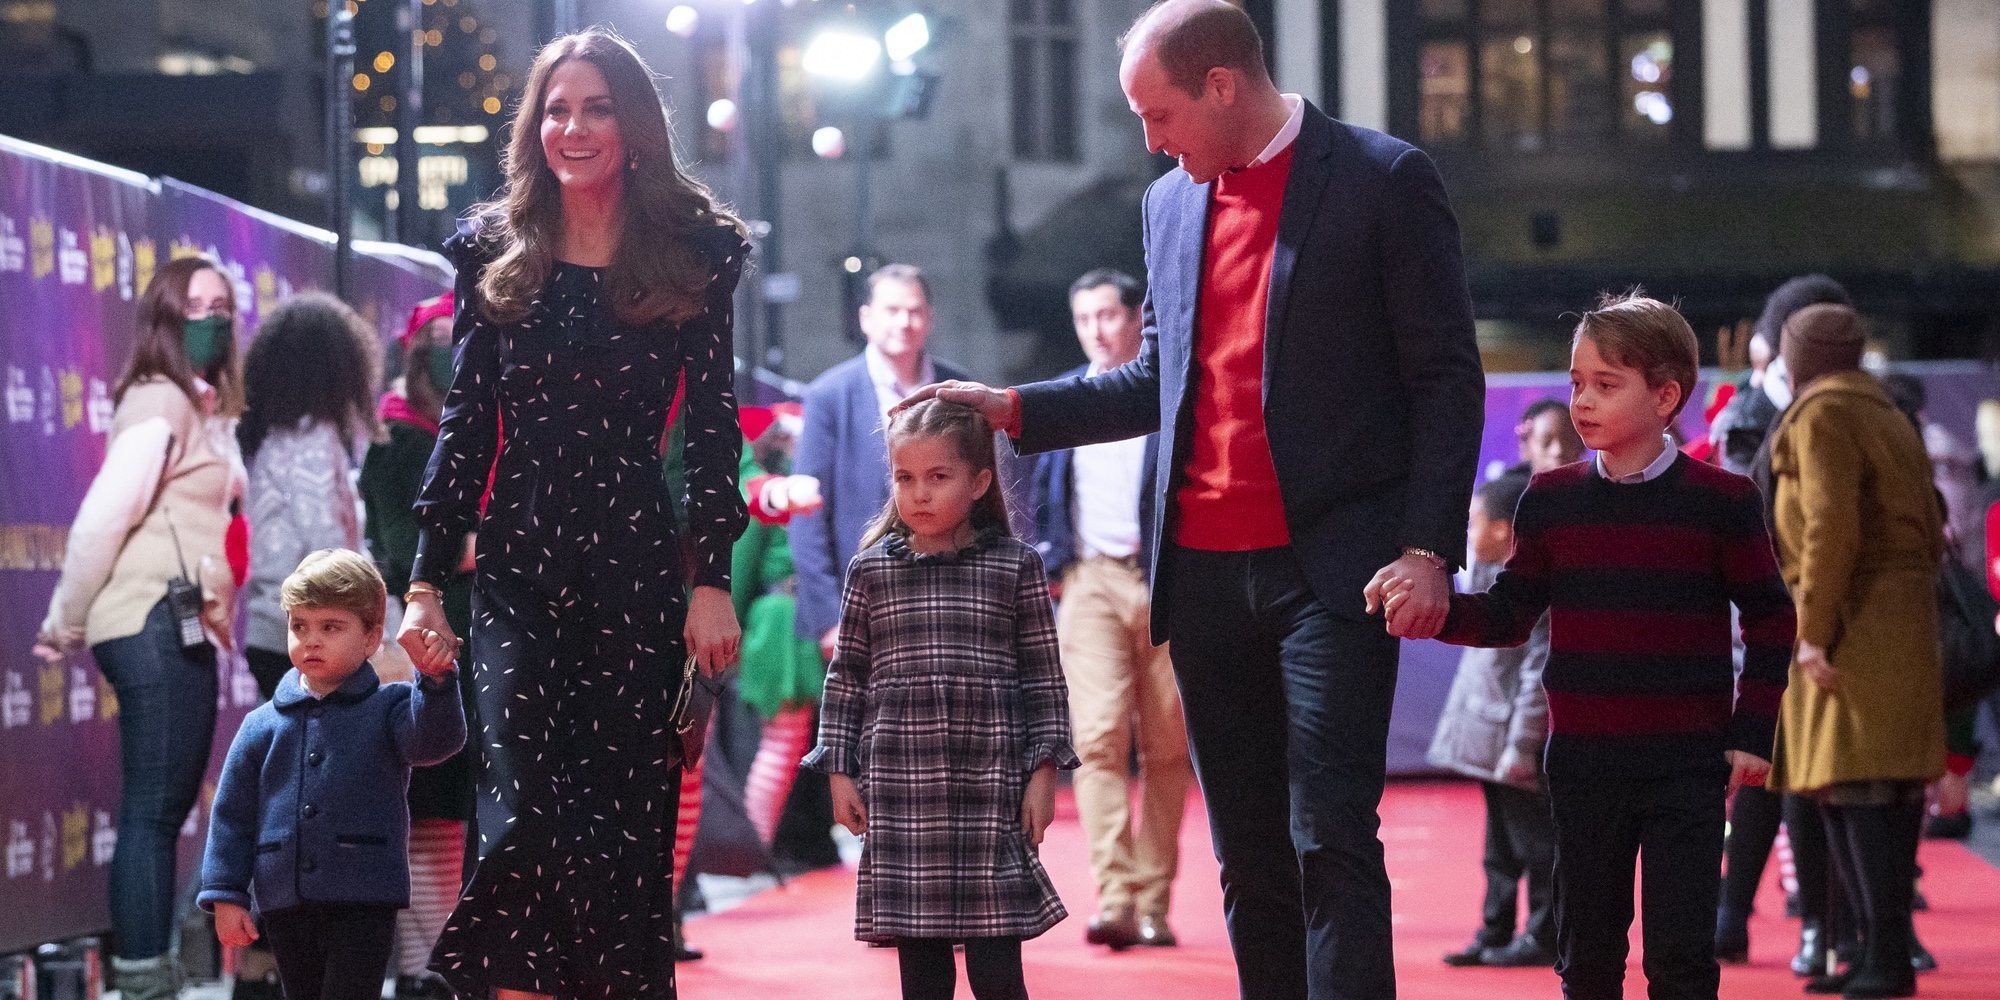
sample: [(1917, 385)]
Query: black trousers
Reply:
[(332, 951), (1671, 827), (1873, 850), (992, 968), (268, 667), (1754, 815), (1287, 707), (1520, 843)]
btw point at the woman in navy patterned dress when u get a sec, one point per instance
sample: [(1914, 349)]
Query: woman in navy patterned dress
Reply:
[(600, 281), (945, 716)]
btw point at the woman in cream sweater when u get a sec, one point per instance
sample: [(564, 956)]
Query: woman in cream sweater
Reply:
[(159, 503)]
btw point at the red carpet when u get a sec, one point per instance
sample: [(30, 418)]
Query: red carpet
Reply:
[(797, 941)]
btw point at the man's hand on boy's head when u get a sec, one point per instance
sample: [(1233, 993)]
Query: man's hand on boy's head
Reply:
[(1746, 769), (234, 926)]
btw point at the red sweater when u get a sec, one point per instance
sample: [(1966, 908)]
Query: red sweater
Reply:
[(1229, 500)]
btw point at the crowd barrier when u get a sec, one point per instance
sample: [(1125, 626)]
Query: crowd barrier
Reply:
[(78, 243)]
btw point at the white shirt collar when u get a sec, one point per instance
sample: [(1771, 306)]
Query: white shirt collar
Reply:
[(1288, 133), (883, 374), (1651, 472)]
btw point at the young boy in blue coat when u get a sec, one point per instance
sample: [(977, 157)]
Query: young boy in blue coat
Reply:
[(310, 818)]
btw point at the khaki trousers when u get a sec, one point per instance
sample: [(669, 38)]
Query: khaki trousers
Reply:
[(1121, 688)]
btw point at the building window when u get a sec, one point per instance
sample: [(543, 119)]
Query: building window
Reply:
[(1875, 69), (1529, 75), (1042, 66)]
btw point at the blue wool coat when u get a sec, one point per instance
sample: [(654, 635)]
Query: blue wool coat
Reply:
[(311, 807)]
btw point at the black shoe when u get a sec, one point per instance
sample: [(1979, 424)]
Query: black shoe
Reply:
[(1792, 908), (1115, 929), (1732, 941), (1829, 984), (1467, 956), (1869, 984), (1957, 826), (1523, 952), (682, 951), (1811, 958), (1154, 932), (1921, 959)]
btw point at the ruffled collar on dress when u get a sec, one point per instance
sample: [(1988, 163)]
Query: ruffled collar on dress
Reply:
[(899, 547)]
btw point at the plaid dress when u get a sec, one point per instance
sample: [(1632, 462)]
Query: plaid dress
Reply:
[(944, 692)]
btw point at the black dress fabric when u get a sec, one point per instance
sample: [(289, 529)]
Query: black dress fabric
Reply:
[(579, 598)]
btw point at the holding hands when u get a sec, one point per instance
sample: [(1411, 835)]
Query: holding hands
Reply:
[(1746, 769), (1414, 593), (426, 636)]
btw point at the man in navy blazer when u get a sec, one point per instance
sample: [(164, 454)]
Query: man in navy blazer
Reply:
[(1323, 414), (1092, 505)]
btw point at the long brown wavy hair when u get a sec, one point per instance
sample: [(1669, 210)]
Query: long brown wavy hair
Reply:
[(157, 350), (656, 273), (972, 436)]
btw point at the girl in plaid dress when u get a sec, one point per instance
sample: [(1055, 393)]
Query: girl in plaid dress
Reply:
[(945, 716)]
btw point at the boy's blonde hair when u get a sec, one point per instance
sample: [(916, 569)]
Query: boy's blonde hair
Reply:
[(1644, 333), (337, 578)]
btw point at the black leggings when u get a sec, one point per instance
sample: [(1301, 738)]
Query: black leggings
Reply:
[(992, 966)]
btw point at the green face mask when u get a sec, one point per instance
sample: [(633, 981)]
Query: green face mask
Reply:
[(202, 340), (440, 366)]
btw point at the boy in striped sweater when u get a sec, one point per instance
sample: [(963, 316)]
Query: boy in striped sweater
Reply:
[(1637, 555)]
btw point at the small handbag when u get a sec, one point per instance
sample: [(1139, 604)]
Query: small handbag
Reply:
[(693, 707)]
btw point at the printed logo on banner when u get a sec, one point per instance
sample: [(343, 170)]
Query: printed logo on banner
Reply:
[(75, 836), (20, 397), (97, 406), (103, 839), (49, 844), (107, 699), (71, 259), (145, 257), (17, 703), (183, 247), (13, 248), (125, 289), (267, 289), (52, 693), (71, 382), (49, 401), (239, 279), (20, 850), (103, 259), (42, 246), (82, 695)]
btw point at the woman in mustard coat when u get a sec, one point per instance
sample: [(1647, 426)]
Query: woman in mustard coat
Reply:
[(1860, 536)]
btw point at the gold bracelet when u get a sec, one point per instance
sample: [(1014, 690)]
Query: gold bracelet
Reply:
[(421, 587), (1435, 559)]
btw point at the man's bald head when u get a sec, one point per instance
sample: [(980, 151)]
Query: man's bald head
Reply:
[(1191, 37)]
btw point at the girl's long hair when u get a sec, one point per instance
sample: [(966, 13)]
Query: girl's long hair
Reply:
[(655, 273), (157, 347), (972, 436), (313, 359)]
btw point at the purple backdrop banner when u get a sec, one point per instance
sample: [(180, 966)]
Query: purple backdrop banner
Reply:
[(78, 243)]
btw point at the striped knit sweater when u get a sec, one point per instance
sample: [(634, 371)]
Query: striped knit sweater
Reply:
[(1638, 579)]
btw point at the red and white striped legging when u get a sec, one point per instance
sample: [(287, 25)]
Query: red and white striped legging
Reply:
[(688, 822), (775, 768), (437, 863)]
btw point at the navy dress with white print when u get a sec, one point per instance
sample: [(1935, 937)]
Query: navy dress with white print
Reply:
[(579, 598)]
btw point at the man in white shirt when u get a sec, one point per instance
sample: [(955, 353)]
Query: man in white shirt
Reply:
[(1091, 503)]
